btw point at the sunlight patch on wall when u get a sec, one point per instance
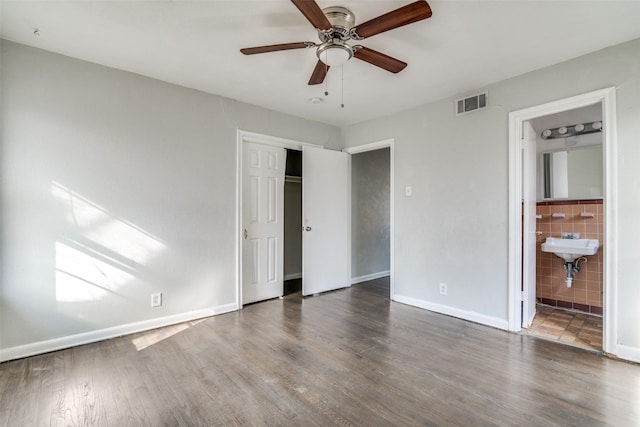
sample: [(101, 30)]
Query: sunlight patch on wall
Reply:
[(99, 226), (126, 240), (98, 253), (77, 210), (81, 277)]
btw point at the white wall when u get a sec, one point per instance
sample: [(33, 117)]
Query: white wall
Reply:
[(370, 213), (455, 227), (115, 186)]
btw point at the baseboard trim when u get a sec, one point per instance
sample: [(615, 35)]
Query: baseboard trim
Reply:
[(293, 276), (61, 343), (625, 352), (471, 316), (372, 276)]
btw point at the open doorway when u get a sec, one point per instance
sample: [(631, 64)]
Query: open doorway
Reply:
[(293, 223), (524, 219), (569, 182), (372, 214)]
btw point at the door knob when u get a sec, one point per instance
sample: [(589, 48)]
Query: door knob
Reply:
[(307, 228), (245, 233), (538, 233)]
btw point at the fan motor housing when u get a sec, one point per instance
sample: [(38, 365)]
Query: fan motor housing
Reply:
[(341, 19)]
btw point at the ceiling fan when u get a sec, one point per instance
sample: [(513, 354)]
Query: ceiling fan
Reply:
[(335, 26)]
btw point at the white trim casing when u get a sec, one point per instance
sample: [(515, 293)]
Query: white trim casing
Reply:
[(274, 141), (372, 276), (369, 147), (471, 316), (607, 97), (40, 347), (627, 353)]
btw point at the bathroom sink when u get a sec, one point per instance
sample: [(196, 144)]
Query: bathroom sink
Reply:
[(570, 249)]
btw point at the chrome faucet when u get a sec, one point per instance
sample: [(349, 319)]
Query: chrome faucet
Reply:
[(566, 235)]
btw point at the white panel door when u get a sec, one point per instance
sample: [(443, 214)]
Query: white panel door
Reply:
[(529, 225), (325, 220), (263, 226)]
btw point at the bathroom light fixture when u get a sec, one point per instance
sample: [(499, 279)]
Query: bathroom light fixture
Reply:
[(571, 130)]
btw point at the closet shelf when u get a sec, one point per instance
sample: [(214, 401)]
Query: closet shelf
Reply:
[(291, 178)]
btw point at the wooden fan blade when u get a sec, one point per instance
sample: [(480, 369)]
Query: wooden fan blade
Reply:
[(313, 13), (379, 59), (275, 47), (414, 12), (319, 73)]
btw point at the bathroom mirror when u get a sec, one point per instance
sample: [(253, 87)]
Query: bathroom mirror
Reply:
[(571, 174)]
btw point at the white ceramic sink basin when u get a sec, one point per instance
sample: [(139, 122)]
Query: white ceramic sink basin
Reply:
[(570, 249)]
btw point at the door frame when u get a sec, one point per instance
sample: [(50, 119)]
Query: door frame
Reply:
[(386, 143), (607, 98), (529, 225), (242, 137)]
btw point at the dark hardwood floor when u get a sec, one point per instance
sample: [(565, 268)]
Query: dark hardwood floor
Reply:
[(349, 357)]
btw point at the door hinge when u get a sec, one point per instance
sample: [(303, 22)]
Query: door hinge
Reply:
[(521, 295)]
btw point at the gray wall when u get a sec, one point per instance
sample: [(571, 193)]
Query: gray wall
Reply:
[(115, 186), (110, 174), (370, 213), (455, 227)]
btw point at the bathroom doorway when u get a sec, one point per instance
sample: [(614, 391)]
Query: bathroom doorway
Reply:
[(569, 200), (542, 298)]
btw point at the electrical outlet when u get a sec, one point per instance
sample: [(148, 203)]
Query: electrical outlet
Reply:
[(443, 289), (156, 299)]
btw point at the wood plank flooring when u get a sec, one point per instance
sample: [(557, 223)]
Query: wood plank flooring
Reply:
[(348, 358)]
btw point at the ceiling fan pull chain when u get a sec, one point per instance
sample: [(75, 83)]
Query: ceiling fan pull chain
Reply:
[(342, 78), (342, 97), (326, 81)]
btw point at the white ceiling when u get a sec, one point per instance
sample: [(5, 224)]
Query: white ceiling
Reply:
[(464, 46)]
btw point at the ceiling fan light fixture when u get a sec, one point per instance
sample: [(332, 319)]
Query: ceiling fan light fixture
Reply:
[(336, 26), (334, 53)]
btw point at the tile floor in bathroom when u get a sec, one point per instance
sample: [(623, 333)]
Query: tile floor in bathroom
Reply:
[(575, 328)]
